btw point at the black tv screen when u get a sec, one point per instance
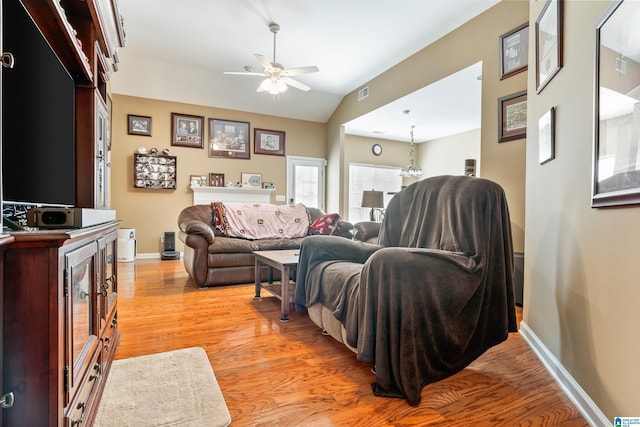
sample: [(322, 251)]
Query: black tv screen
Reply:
[(38, 116)]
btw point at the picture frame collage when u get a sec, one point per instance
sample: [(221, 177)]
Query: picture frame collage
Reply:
[(228, 139), (514, 53)]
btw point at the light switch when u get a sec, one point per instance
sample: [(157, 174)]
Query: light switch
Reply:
[(280, 198)]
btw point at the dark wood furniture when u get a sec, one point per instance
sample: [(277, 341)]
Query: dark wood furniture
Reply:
[(58, 327), (60, 323)]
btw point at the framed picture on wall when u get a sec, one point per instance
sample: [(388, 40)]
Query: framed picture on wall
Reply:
[(514, 51), (187, 131), (139, 125), (512, 116), (547, 136), (229, 139), (548, 43), (268, 142)]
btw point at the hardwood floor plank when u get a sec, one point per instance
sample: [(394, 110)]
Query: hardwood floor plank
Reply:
[(288, 374)]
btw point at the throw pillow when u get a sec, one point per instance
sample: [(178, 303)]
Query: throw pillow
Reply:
[(217, 219), (325, 224)]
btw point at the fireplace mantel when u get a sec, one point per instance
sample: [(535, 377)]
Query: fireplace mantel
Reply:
[(207, 195)]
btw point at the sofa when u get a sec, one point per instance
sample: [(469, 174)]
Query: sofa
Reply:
[(215, 256), (432, 294)]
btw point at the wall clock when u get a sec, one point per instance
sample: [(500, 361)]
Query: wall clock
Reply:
[(377, 149)]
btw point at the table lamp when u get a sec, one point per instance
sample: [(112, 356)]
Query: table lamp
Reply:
[(374, 200)]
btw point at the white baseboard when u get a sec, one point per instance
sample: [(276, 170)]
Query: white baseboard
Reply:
[(153, 255), (572, 389)]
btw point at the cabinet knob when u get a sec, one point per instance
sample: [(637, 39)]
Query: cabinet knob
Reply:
[(8, 61)]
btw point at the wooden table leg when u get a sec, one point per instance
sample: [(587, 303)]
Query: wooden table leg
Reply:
[(286, 277), (258, 278)]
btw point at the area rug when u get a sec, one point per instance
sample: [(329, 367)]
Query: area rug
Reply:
[(175, 388)]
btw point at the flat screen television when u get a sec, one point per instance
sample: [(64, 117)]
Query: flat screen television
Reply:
[(38, 116)]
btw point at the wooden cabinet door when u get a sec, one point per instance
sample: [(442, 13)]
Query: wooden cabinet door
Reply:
[(81, 323)]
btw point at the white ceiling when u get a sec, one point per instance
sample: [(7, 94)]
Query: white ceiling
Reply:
[(351, 42)]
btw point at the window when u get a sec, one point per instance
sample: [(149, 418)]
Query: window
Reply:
[(370, 177)]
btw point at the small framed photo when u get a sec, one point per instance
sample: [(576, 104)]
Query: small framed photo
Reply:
[(198, 180), (512, 116), (268, 142), (216, 180), (186, 130), (251, 180), (514, 51), (546, 136), (229, 139), (548, 43), (139, 125)]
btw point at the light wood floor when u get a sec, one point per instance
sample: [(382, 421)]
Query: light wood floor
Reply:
[(288, 374)]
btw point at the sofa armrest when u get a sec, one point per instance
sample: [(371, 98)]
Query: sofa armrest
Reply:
[(367, 231), (197, 227), (345, 229)]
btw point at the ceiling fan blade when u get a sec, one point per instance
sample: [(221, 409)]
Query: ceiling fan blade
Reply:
[(296, 84), (299, 70), (244, 73), (263, 61)]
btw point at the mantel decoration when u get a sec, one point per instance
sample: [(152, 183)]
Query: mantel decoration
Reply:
[(186, 130), (229, 139), (412, 169), (616, 159)]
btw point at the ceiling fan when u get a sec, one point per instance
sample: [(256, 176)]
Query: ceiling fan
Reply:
[(277, 77)]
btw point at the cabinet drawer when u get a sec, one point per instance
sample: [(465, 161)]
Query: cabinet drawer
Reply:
[(82, 404)]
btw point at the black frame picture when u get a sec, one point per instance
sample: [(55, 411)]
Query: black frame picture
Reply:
[(512, 116), (269, 142), (138, 125), (549, 27), (514, 51), (187, 130), (229, 139), (547, 136), (616, 174)]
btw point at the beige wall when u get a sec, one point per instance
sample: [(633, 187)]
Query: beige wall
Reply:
[(446, 156), (358, 150), (581, 277), (477, 40), (152, 212)]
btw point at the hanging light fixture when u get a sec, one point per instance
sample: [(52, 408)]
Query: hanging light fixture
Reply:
[(411, 170), (273, 85)]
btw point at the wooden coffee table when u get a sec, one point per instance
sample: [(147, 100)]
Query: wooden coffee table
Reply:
[(284, 260)]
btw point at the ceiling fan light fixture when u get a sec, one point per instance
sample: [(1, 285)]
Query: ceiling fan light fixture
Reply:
[(273, 86)]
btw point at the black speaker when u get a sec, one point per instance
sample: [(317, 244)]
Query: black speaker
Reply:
[(169, 251)]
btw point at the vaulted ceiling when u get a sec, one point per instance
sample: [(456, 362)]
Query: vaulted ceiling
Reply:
[(350, 42)]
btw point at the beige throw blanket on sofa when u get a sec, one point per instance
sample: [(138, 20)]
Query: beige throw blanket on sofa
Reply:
[(262, 221)]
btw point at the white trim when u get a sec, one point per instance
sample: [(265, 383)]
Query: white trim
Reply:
[(153, 255), (571, 388)]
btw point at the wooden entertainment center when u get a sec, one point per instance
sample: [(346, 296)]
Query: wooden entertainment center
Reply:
[(58, 287)]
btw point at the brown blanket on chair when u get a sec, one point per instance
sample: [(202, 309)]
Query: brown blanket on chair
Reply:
[(434, 296)]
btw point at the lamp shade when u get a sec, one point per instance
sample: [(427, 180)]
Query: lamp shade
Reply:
[(372, 199)]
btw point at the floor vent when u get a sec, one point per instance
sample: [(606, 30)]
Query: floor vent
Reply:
[(363, 93)]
